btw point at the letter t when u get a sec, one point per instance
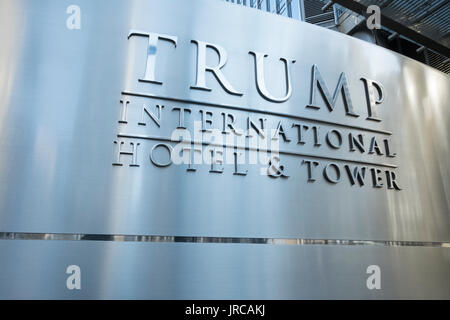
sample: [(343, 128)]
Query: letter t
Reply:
[(151, 52)]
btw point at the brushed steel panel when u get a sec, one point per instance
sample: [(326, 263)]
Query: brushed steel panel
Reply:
[(128, 270), (60, 93)]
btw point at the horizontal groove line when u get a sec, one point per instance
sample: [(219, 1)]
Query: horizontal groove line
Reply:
[(235, 240), (247, 109), (203, 143)]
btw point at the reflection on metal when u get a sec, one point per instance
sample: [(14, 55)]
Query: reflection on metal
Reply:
[(170, 239), (153, 270)]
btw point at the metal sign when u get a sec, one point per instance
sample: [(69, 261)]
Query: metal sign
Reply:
[(204, 120)]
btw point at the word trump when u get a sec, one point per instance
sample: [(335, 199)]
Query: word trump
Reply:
[(374, 90), (166, 131)]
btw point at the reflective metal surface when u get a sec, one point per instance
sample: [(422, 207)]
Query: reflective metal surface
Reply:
[(83, 115), (123, 270), (169, 239)]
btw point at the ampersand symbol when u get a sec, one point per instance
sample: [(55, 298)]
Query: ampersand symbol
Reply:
[(276, 170)]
